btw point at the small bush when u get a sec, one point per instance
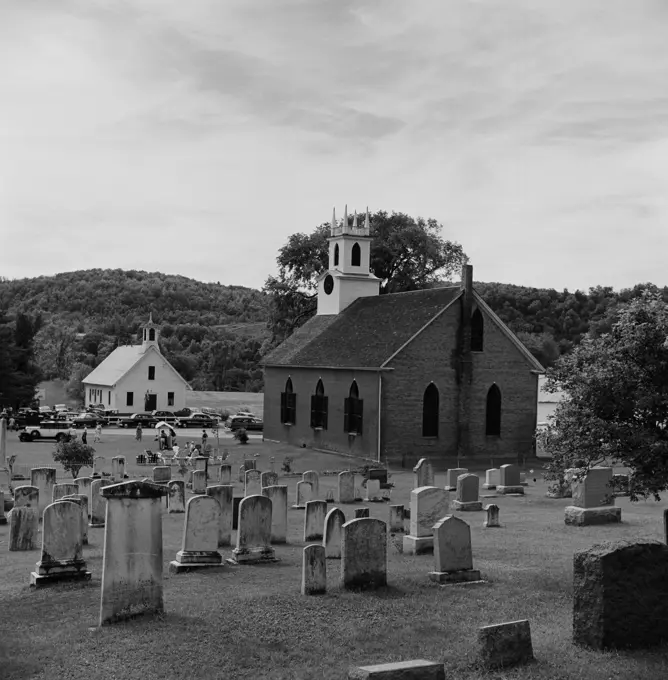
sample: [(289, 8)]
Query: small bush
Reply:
[(286, 466), (73, 455), (241, 435)]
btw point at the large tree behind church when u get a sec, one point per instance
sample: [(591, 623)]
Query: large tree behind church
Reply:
[(407, 253)]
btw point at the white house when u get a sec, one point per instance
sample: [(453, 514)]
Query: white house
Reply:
[(136, 378), (547, 402)]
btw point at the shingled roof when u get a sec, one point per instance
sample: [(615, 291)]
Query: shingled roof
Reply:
[(365, 334)]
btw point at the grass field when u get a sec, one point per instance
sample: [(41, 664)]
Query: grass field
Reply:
[(248, 622), (227, 401)]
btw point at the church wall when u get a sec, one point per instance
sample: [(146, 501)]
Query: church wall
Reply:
[(337, 387)]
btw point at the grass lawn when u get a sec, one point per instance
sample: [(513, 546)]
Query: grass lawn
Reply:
[(249, 622), (228, 401)]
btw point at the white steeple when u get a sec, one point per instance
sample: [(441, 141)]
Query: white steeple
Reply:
[(150, 334)]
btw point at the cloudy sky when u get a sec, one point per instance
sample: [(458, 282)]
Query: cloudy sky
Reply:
[(193, 137)]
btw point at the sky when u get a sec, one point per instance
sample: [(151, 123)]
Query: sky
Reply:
[(194, 137)]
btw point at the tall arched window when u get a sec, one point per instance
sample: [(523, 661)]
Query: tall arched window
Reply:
[(319, 407), (151, 334), (336, 254), (430, 411), (493, 412), (477, 331), (353, 411), (356, 255), (144, 335), (288, 404)]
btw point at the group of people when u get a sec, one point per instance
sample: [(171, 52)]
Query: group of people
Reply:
[(84, 435)]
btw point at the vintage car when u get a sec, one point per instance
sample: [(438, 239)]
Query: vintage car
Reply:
[(54, 429), (197, 420), (248, 423)]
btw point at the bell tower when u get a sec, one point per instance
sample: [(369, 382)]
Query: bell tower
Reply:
[(150, 334), (349, 275)]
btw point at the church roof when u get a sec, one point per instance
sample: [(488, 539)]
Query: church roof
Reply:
[(366, 333), (115, 366)]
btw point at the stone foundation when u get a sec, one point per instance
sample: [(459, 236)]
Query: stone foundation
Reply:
[(461, 576), (582, 517), (418, 546), (505, 490), (471, 506), (254, 556)]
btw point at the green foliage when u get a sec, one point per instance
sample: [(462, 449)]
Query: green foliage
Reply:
[(241, 435), (286, 465), (19, 374), (73, 455), (617, 410)]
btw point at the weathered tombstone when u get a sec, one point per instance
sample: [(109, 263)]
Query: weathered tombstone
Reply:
[(423, 474), (304, 495), (223, 493), (84, 487), (620, 595), (213, 472), (23, 527), (118, 468), (225, 474), (453, 559), (44, 479), (132, 563), (98, 503), (272, 466), (253, 483), (372, 490), (199, 482), (314, 520), (60, 490), (3, 519), (505, 644), (428, 505), (364, 554), (593, 500), (492, 516), (26, 497), (313, 478), (254, 533), (200, 535), (509, 480), (491, 478), (451, 478), (334, 521), (396, 522), (361, 513), (417, 669), (62, 550), (467, 498), (201, 463), (268, 479), (162, 474), (98, 464), (278, 495), (82, 501), (176, 501), (314, 570), (346, 487)]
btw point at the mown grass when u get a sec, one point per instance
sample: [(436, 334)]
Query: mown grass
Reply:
[(251, 622)]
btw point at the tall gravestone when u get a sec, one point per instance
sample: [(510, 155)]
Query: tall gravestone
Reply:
[(201, 463), (467, 498), (61, 490), (26, 497), (304, 495), (364, 554), (132, 562), (491, 479), (451, 478), (24, 519), (346, 487), (334, 521), (428, 505), (372, 490), (176, 500), (225, 474), (201, 531), (118, 468), (3, 519), (423, 474), (98, 503), (314, 520), (313, 478), (82, 501), (593, 500), (254, 532), (253, 483), (224, 494), (314, 570), (509, 480), (84, 484), (453, 558), (44, 478), (199, 482), (269, 478), (278, 495), (396, 519)]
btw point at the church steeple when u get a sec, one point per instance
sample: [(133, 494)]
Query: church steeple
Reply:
[(150, 333)]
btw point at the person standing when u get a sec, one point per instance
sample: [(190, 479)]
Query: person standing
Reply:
[(98, 433), (84, 435), (138, 433), (72, 432), (205, 436)]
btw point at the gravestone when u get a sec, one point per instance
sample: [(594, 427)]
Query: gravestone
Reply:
[(304, 495), (118, 468), (176, 500), (26, 497), (428, 505), (98, 464), (314, 520), (84, 484), (225, 474), (451, 478), (314, 570), (492, 516), (44, 478), (23, 527), (253, 483), (201, 531), (418, 669), (396, 519), (372, 490), (509, 480), (60, 490), (505, 644), (423, 474), (199, 482), (278, 495), (361, 513), (254, 533), (201, 463), (593, 500), (334, 521), (364, 554), (620, 595), (62, 550), (3, 519), (162, 474), (83, 504), (268, 479), (467, 499), (491, 478), (98, 503), (313, 478), (453, 559), (346, 487), (132, 562), (224, 494)]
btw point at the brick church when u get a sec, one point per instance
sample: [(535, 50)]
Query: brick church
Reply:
[(430, 373)]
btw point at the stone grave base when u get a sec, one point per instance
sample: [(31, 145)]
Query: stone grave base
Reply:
[(417, 546), (582, 517), (455, 576), (470, 506), (298, 507), (193, 559), (53, 573), (505, 490), (489, 486), (450, 488), (254, 556), (399, 670), (96, 526)]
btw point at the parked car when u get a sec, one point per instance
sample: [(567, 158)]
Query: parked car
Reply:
[(167, 416), (53, 429), (89, 419), (143, 419), (60, 407), (186, 411), (249, 423), (197, 420)]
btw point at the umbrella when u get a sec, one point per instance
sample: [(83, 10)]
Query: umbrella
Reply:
[(163, 424)]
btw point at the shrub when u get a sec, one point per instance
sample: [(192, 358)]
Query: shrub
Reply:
[(241, 435), (286, 466), (73, 455)]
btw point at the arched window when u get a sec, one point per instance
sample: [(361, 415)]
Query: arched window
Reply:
[(336, 254), (151, 334), (353, 411), (493, 412), (477, 331), (430, 411), (356, 255), (288, 404), (319, 407), (144, 335)]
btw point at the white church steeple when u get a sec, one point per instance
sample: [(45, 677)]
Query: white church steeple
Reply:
[(150, 334)]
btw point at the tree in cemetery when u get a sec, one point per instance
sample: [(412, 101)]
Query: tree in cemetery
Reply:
[(617, 406), (73, 455), (406, 254)]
